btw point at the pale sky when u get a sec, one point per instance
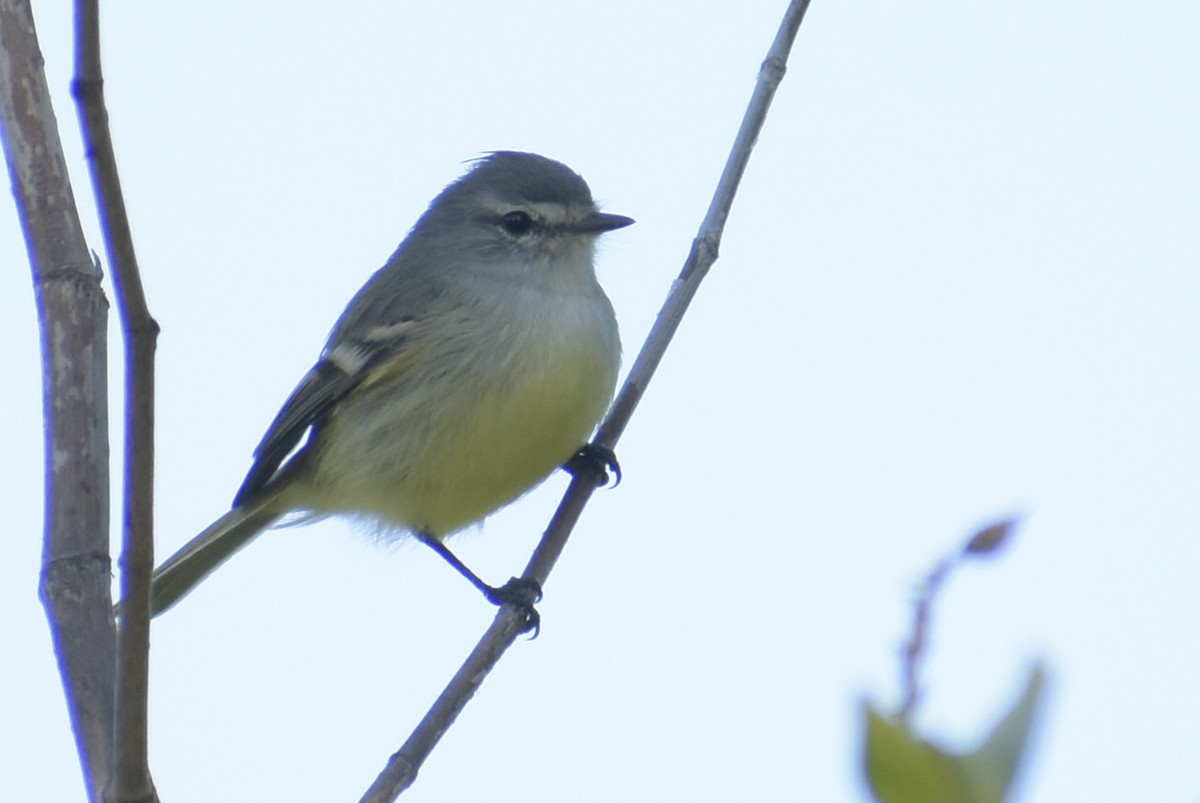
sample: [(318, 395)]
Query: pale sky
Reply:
[(961, 281)]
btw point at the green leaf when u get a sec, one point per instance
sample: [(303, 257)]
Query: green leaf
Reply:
[(994, 764), (902, 767)]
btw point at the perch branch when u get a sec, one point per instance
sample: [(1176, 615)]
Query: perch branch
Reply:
[(401, 769)]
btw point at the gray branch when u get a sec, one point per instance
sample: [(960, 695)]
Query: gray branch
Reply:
[(130, 780), (76, 570)]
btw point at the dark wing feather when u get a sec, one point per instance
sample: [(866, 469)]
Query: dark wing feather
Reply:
[(318, 393), (343, 368)]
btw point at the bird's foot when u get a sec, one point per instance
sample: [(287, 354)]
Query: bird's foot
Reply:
[(522, 595), (594, 461)]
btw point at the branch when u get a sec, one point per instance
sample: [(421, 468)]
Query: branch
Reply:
[(401, 769), (131, 775), (76, 571)]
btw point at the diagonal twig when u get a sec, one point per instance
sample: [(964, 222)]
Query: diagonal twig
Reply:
[(401, 769)]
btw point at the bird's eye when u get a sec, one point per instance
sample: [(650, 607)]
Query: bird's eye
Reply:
[(517, 223)]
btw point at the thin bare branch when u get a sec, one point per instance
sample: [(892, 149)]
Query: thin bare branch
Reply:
[(401, 769), (76, 571), (131, 782), (706, 246)]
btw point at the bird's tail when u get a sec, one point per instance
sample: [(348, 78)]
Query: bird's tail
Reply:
[(201, 556)]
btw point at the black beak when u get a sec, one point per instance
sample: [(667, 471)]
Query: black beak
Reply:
[(600, 222)]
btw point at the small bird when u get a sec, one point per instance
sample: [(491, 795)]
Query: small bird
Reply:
[(474, 363)]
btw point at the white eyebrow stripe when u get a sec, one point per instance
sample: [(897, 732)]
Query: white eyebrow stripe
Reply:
[(552, 213)]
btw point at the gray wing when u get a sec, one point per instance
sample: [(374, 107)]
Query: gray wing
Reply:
[(344, 366)]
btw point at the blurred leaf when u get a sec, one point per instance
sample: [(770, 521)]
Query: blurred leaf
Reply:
[(994, 764), (904, 768)]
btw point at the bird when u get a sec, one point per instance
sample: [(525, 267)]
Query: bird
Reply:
[(468, 368)]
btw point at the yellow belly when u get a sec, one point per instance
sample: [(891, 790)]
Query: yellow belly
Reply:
[(415, 460), (508, 441)]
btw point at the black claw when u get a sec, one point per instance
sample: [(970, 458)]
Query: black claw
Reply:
[(596, 460), (521, 594)]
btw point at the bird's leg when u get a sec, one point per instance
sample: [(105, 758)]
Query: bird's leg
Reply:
[(518, 592), (595, 461)]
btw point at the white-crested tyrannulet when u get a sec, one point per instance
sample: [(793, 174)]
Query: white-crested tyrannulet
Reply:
[(468, 368)]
